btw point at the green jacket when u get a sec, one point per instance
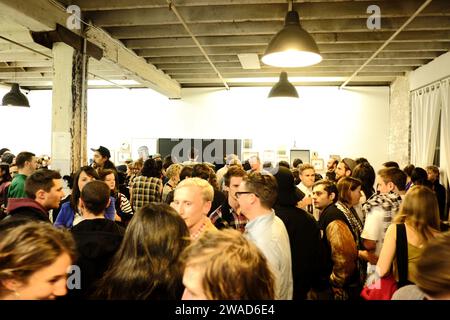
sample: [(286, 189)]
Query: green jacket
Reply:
[(17, 187)]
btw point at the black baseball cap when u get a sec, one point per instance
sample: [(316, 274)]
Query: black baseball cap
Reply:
[(103, 151)]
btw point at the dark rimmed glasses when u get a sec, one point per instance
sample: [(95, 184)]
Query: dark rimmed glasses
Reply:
[(239, 193)]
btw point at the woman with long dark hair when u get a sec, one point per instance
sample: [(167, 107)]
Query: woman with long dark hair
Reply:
[(69, 214), (122, 204), (147, 265)]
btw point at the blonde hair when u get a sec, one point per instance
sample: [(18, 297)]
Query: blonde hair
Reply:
[(206, 189), (305, 166), (27, 248), (421, 211), (433, 276), (173, 170), (234, 268)]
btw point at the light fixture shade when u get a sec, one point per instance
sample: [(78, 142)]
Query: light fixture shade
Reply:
[(292, 46), (283, 88), (15, 97)]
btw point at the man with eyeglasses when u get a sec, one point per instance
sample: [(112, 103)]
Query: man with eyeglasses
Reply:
[(256, 195)]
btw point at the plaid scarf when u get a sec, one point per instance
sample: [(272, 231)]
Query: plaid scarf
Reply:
[(389, 202)]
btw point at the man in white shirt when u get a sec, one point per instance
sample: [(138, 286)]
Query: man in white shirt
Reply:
[(256, 195), (307, 175)]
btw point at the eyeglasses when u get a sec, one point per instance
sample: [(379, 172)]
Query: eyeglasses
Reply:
[(239, 193)]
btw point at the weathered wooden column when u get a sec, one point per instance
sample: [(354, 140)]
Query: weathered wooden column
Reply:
[(69, 112)]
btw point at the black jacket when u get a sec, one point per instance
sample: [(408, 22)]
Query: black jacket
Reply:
[(440, 192), (304, 238), (219, 198), (97, 241)]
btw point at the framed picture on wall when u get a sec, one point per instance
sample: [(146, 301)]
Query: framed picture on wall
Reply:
[(248, 143), (300, 154), (268, 155), (248, 154), (318, 164)]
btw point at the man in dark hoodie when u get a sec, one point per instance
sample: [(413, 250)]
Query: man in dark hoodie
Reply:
[(97, 238), (304, 234), (44, 191)]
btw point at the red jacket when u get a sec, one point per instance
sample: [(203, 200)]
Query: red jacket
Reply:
[(26, 208)]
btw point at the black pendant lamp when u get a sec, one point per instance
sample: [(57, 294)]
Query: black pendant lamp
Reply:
[(292, 46), (283, 88), (15, 97)]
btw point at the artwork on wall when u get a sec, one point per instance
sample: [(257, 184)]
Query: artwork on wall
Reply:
[(143, 147), (318, 164), (202, 150), (248, 143), (248, 154), (304, 155)]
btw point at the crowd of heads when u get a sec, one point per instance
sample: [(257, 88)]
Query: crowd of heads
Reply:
[(169, 252)]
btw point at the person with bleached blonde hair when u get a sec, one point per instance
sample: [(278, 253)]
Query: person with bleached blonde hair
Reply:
[(224, 265), (192, 200), (173, 174)]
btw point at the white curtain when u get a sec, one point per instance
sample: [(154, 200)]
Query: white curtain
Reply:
[(426, 105), (445, 130)]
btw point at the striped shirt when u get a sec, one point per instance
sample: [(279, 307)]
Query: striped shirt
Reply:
[(125, 205)]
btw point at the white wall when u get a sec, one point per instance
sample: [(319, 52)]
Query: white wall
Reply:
[(27, 129), (433, 71), (353, 122)]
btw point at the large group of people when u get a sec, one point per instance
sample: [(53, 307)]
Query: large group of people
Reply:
[(156, 230)]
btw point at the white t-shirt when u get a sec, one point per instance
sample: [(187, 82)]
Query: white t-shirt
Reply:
[(374, 228)]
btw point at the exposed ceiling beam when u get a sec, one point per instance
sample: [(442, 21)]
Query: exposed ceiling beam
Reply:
[(125, 58), (174, 9), (183, 77), (420, 9), (93, 5), (324, 48), (264, 12), (324, 63), (42, 15), (332, 57), (341, 38), (268, 27), (350, 69)]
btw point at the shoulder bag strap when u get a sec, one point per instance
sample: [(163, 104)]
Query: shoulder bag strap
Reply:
[(402, 255)]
